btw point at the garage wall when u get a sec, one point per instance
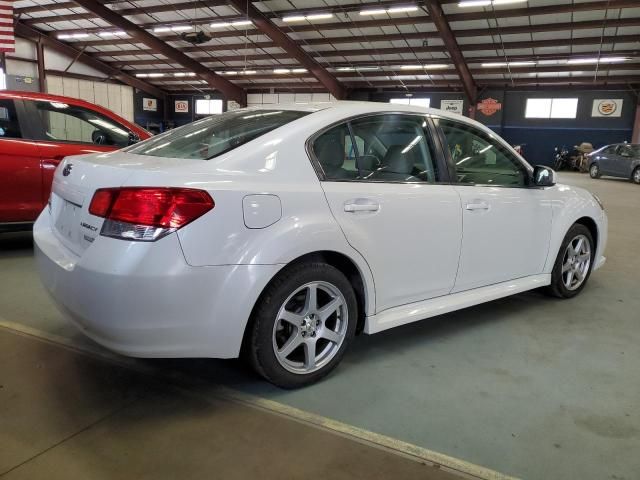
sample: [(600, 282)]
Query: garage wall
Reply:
[(254, 99)]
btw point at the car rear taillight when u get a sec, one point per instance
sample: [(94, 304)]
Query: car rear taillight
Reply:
[(147, 213)]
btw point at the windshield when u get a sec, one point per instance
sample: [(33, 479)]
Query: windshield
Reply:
[(215, 135)]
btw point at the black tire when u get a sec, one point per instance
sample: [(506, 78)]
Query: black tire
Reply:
[(635, 176), (594, 170), (260, 347), (557, 288)]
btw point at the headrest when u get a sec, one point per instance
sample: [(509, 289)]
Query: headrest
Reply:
[(329, 151), (397, 162)]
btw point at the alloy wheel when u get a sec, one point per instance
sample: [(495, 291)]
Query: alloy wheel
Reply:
[(576, 262), (310, 328), (636, 175), (594, 170)]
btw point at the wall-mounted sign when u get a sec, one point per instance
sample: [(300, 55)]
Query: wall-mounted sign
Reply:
[(606, 107), (489, 106), (182, 106), (150, 104), (453, 106)]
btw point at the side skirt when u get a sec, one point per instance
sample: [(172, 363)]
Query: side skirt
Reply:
[(413, 312)]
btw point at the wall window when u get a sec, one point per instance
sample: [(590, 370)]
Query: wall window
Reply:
[(416, 102), (208, 107), (386, 148), (479, 159), (551, 108)]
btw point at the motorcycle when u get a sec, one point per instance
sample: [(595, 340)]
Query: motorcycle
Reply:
[(561, 158)]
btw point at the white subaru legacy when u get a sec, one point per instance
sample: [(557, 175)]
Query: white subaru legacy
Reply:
[(280, 232)]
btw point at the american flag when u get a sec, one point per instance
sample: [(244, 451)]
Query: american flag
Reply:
[(7, 39)]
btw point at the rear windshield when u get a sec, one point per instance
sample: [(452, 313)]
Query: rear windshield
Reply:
[(215, 135)]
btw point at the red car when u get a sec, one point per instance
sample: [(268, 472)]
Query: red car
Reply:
[(37, 131)]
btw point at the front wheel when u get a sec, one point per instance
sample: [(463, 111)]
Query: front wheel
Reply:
[(302, 325), (594, 170), (573, 264), (635, 176)]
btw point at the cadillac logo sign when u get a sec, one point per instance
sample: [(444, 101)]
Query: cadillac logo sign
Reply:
[(489, 106), (607, 107), (67, 169)]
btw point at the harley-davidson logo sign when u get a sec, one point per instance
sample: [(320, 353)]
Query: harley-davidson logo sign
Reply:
[(489, 106)]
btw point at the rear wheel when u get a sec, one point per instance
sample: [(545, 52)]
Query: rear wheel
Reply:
[(594, 170), (303, 325), (573, 264), (635, 176)]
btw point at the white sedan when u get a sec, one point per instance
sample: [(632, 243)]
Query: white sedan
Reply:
[(280, 232)]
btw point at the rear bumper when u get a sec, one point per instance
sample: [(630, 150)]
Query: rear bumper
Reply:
[(142, 299)]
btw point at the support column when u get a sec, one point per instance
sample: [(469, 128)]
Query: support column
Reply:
[(42, 81), (635, 136)]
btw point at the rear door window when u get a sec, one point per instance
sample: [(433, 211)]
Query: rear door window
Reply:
[(9, 124)]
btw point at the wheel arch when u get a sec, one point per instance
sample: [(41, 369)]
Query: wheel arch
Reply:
[(361, 281), (591, 224)]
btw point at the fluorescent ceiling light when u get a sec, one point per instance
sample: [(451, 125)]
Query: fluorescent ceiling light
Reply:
[(248, 72), (411, 8), (314, 16), (184, 74), (149, 75), (435, 66), (299, 70), (220, 24), (319, 16), (231, 73), (241, 23), (176, 28), (63, 36), (411, 67), (507, 2), (110, 34), (377, 11), (281, 70), (507, 64), (474, 3), (381, 11), (579, 61), (357, 69)]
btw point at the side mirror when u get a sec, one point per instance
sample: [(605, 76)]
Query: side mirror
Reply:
[(133, 138), (544, 176)]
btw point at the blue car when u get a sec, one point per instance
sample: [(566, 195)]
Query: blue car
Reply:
[(617, 160)]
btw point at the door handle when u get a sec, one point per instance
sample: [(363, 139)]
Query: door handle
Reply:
[(355, 206), (477, 206)]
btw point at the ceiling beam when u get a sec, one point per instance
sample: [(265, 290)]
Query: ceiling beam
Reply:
[(36, 36), (450, 43), (283, 41), (231, 91)]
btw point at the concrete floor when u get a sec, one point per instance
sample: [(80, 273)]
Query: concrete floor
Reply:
[(530, 386)]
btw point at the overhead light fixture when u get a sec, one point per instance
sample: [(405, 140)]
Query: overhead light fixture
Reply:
[(248, 72), (430, 66), (376, 11), (486, 3), (411, 67), (507, 64), (474, 3), (281, 70), (64, 36), (356, 69), (184, 74), (111, 34), (176, 28), (237, 23), (582, 61), (299, 70), (149, 75), (311, 17), (409, 8), (381, 11)]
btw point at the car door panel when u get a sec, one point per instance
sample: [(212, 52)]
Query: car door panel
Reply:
[(506, 238), (506, 225), (408, 233), (20, 175), (387, 201)]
